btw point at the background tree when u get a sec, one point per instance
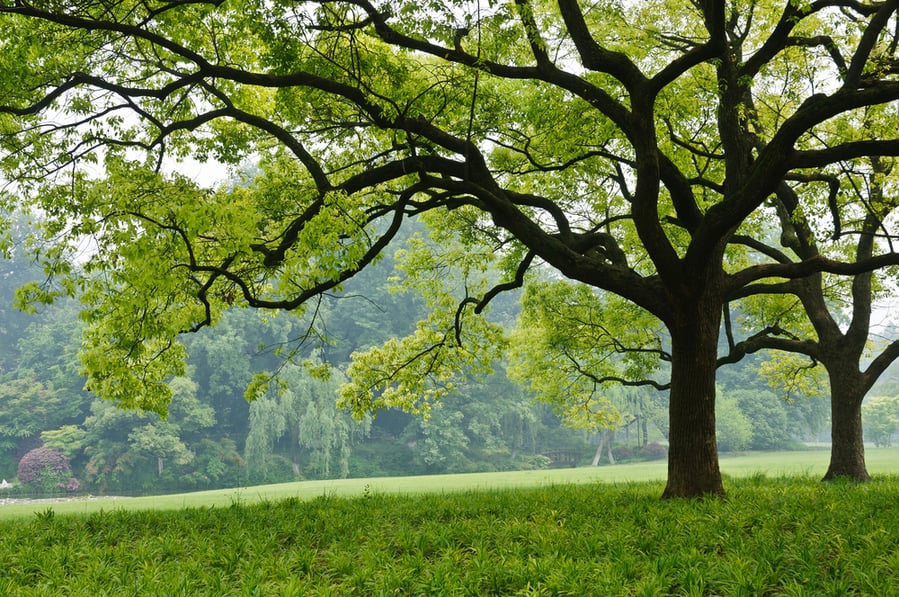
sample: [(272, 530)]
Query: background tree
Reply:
[(300, 420), (46, 470), (26, 406), (806, 398), (629, 158), (767, 416), (129, 451), (734, 431), (831, 321), (16, 269), (42, 387), (881, 419)]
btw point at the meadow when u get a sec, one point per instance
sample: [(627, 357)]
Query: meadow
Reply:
[(585, 531)]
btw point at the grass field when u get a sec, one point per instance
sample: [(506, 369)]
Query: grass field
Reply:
[(810, 463), (789, 535)]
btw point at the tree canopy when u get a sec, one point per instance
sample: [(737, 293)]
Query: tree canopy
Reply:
[(631, 147)]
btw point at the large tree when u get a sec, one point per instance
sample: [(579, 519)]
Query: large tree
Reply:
[(623, 144)]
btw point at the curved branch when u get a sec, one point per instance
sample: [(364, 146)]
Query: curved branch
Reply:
[(770, 339), (607, 379), (868, 41), (594, 56), (816, 264), (816, 158), (761, 247)]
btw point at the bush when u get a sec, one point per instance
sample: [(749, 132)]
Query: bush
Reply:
[(654, 451), (45, 469), (277, 469)]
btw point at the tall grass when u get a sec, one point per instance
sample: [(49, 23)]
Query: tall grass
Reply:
[(771, 536)]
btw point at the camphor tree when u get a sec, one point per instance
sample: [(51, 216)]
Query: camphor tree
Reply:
[(622, 143), (826, 319)]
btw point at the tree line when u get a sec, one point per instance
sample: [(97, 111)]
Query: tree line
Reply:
[(213, 437)]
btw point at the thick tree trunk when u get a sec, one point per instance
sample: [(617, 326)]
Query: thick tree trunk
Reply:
[(693, 452), (847, 451)]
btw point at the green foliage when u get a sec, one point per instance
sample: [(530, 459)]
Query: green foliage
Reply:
[(802, 416), (299, 419), (203, 441), (571, 344), (774, 536), (767, 416), (122, 450), (68, 439), (26, 406), (450, 344), (881, 419), (734, 429), (16, 269), (793, 376)]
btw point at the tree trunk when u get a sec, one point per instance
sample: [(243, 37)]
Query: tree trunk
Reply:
[(693, 452), (598, 455), (644, 422), (847, 450)]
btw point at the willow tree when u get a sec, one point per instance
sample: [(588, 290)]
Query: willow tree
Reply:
[(623, 144)]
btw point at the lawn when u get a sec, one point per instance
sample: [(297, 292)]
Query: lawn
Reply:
[(813, 463), (771, 536)]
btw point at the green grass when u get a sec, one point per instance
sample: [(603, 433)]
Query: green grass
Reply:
[(882, 461), (771, 536)]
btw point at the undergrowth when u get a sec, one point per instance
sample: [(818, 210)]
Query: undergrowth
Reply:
[(768, 537)]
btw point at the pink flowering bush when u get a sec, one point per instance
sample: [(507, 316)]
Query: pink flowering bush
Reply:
[(46, 470)]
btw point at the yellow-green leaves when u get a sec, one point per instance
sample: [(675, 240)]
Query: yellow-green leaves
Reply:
[(572, 345), (451, 343), (793, 375), (132, 374), (165, 256), (417, 371)]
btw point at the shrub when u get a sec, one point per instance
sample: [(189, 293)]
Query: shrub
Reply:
[(46, 469), (654, 451), (276, 469)]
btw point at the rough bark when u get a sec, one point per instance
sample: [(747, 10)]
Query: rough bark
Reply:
[(693, 451), (847, 452)]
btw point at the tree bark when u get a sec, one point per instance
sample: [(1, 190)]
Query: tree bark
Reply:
[(847, 450), (598, 455), (693, 451)]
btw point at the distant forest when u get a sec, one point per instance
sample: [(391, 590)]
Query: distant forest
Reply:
[(213, 437)]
